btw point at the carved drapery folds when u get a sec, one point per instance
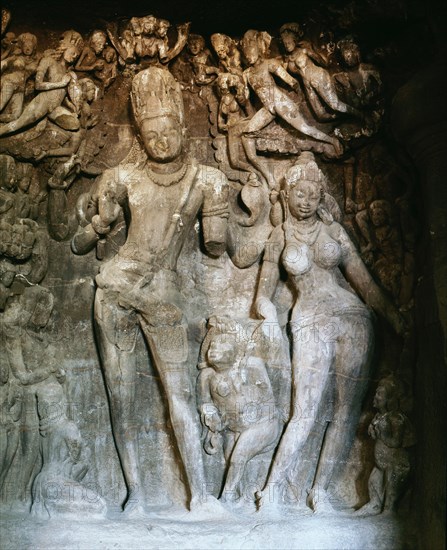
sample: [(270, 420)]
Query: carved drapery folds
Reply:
[(241, 213)]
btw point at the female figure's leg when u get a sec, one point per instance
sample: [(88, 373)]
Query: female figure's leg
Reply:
[(354, 342), (311, 365)]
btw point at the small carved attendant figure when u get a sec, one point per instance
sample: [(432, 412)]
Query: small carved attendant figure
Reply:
[(108, 73), (393, 434), (89, 59), (316, 80), (233, 100), (361, 83), (227, 52), (200, 58), (52, 79), (137, 288), (236, 401), (332, 369), (275, 101)]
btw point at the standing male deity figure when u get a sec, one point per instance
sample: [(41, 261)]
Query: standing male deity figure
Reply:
[(137, 288)]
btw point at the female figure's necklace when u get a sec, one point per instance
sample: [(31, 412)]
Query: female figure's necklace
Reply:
[(306, 233)]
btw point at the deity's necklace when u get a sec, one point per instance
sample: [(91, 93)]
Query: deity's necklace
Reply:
[(166, 180)]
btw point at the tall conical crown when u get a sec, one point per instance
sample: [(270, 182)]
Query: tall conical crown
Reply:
[(155, 93), (306, 169)]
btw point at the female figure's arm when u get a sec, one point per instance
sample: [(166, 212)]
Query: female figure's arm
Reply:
[(269, 277), (357, 274)]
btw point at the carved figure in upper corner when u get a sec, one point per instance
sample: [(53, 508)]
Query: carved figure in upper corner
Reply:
[(200, 59), (275, 101), (52, 78), (312, 247), (137, 288), (236, 400), (7, 38), (233, 100), (146, 40), (360, 82), (318, 84), (227, 52), (109, 70), (89, 58), (393, 435), (99, 59), (15, 71), (72, 155)]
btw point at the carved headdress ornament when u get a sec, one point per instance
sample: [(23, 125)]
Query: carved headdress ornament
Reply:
[(305, 169), (155, 93)]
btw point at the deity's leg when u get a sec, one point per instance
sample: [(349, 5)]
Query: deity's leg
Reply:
[(40, 106), (328, 93), (258, 122), (177, 383), (376, 492), (116, 333), (316, 104), (297, 121)]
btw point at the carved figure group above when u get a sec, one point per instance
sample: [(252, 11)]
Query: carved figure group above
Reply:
[(257, 163)]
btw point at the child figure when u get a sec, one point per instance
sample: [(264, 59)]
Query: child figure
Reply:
[(237, 401), (393, 434)]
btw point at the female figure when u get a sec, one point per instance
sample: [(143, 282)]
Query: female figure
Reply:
[(332, 330), (276, 102), (316, 80), (15, 71), (52, 79)]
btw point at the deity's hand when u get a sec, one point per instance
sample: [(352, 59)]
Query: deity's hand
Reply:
[(266, 310), (372, 431)]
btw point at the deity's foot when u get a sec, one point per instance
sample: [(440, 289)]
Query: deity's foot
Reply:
[(134, 509), (267, 505), (207, 507), (369, 509), (318, 501)]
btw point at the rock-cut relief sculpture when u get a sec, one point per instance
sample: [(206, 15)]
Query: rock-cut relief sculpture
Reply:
[(137, 288), (47, 435), (236, 401), (394, 436), (331, 327), (145, 41)]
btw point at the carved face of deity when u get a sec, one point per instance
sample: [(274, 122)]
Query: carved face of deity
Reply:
[(222, 352), (380, 399), (378, 215), (149, 25), (98, 42), (304, 199), (70, 55), (250, 49), (350, 54), (162, 29), (221, 47), (196, 44), (28, 43), (289, 40), (162, 138)]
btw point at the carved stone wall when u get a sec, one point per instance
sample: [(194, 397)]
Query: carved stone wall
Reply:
[(211, 266)]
